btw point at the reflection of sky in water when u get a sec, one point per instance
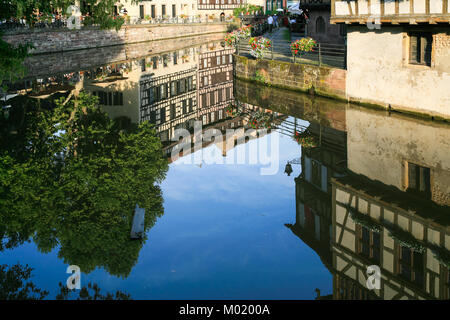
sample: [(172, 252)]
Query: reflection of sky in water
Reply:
[(222, 236)]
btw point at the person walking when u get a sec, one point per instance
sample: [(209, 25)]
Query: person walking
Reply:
[(270, 22)]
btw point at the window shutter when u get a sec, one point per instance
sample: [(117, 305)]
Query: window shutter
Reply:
[(413, 57)]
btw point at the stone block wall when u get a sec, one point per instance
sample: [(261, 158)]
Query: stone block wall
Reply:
[(324, 81), (49, 41), (65, 62)]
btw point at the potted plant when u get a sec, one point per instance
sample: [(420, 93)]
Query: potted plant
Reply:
[(258, 46), (305, 139), (301, 46)]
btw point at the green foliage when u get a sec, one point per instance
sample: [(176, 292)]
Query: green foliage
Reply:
[(246, 8), (70, 178), (259, 77), (91, 292), (11, 59), (14, 285), (101, 12)]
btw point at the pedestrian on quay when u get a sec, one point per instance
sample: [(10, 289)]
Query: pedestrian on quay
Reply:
[(270, 22)]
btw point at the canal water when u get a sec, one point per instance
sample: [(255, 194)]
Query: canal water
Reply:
[(364, 214)]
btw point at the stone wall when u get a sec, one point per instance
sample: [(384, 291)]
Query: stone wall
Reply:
[(332, 32), (324, 81), (328, 112), (65, 62), (49, 41)]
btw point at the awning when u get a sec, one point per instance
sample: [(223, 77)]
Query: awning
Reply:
[(295, 9)]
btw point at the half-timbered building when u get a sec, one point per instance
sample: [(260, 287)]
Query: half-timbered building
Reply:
[(391, 210), (398, 53)]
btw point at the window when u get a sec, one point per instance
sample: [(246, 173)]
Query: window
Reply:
[(154, 94), (342, 30), (368, 244), (153, 11), (419, 179), (182, 86), (163, 9), (410, 265), (190, 84), (155, 62), (175, 58), (446, 283), (420, 47), (184, 106), (320, 25), (218, 60), (163, 115), (152, 117), (118, 98), (143, 65), (173, 88), (173, 111), (174, 11), (163, 91), (203, 100), (141, 12), (191, 105), (165, 60), (316, 173)]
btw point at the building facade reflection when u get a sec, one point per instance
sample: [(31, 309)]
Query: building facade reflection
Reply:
[(391, 210), (365, 199)]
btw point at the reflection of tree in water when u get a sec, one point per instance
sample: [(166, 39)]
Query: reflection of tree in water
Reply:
[(15, 285), (70, 177)]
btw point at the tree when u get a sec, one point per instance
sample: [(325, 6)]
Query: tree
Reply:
[(14, 286), (101, 13), (70, 177)]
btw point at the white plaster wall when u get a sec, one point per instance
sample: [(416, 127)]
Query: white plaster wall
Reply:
[(378, 144), (376, 73)]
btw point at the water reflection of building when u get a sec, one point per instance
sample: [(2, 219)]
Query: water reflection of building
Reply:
[(389, 207), (215, 83), (313, 186), (318, 22), (392, 209), (169, 101)]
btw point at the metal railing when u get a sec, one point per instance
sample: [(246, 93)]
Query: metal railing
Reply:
[(176, 20), (324, 54), (22, 25)]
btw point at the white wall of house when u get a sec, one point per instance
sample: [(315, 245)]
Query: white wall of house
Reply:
[(378, 71), (186, 7), (379, 147)]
